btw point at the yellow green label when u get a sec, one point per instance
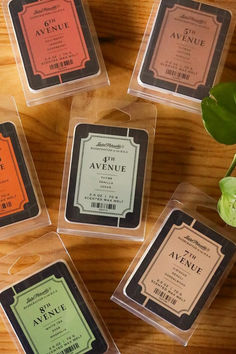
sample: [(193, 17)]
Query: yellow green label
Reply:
[(51, 319)]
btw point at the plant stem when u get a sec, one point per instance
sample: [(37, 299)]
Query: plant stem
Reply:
[(232, 167)]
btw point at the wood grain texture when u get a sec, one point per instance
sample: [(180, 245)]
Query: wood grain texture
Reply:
[(183, 152)]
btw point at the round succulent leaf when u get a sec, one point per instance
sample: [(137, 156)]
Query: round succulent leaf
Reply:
[(227, 202), (225, 94), (219, 113)]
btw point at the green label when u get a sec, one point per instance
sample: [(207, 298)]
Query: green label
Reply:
[(51, 319), (107, 174)]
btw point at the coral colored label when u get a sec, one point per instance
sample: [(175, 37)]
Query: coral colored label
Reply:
[(186, 46), (13, 195), (181, 269), (54, 37)]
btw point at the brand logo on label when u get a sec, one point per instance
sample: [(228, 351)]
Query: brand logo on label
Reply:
[(192, 240), (37, 295), (109, 145), (45, 9), (194, 19)]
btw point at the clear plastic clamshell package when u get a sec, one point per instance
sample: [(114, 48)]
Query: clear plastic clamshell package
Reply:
[(22, 205), (179, 269), (183, 52), (107, 171), (56, 48), (45, 304)]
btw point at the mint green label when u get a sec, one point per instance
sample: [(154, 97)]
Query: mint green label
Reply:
[(107, 174), (51, 319)]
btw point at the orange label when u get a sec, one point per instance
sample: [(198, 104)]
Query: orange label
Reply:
[(54, 37), (13, 195)]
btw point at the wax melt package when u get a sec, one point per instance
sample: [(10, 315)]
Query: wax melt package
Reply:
[(179, 269), (107, 171), (56, 48), (45, 304), (22, 206), (183, 52)]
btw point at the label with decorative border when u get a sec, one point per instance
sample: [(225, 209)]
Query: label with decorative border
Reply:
[(17, 196), (13, 195), (191, 37), (107, 174), (49, 315), (54, 37), (179, 270), (51, 319), (195, 34)]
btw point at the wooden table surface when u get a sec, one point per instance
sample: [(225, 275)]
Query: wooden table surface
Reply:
[(183, 152)]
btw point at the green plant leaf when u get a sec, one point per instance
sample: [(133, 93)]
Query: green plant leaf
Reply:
[(219, 113), (227, 202)]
